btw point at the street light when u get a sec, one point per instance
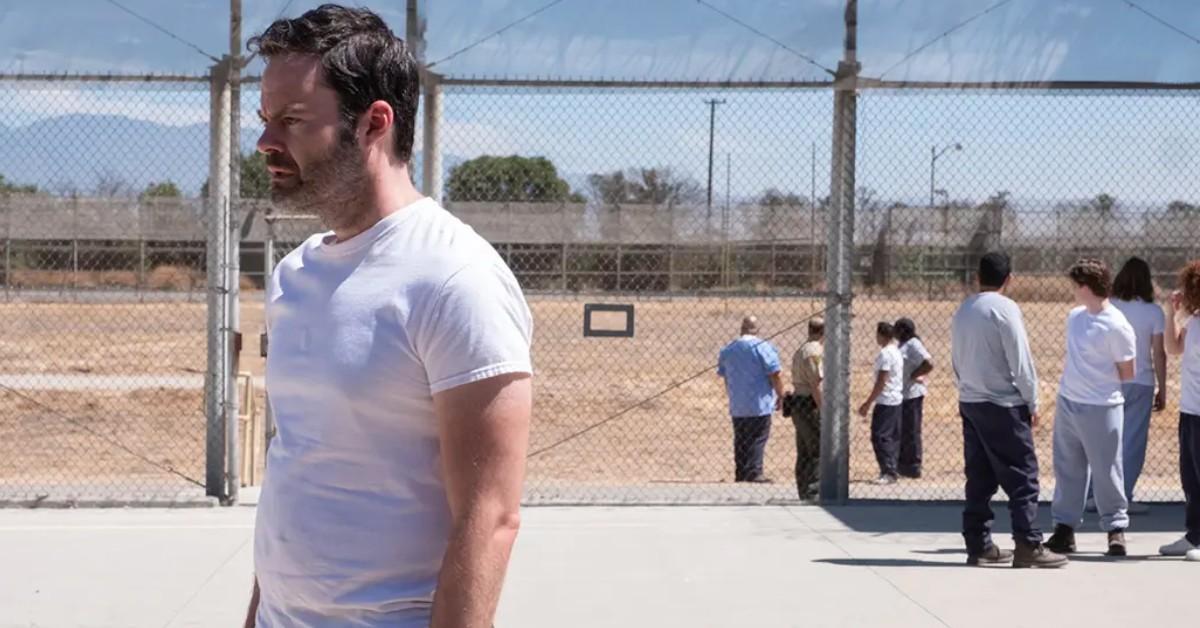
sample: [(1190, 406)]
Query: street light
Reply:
[(934, 154)]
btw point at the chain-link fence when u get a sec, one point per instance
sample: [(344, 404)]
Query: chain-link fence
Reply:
[(695, 205), (102, 353)]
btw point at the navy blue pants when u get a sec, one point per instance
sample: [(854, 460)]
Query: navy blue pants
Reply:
[(912, 411), (1189, 471), (885, 437), (750, 436), (998, 452)]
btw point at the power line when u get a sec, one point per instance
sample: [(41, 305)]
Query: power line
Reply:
[(765, 36), (248, 60), (111, 440), (454, 54), (163, 29), (1136, 6), (944, 35), (634, 406)]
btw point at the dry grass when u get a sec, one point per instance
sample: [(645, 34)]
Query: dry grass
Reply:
[(166, 277), (674, 427)]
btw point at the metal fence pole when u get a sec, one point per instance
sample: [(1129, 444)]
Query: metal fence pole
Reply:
[(268, 270), (835, 411), (432, 168), (217, 375)]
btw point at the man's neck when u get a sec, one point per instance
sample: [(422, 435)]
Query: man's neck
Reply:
[(1095, 306), (388, 193)]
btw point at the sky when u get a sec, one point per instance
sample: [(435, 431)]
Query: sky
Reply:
[(1142, 147)]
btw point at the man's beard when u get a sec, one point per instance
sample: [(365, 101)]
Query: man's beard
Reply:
[(333, 188)]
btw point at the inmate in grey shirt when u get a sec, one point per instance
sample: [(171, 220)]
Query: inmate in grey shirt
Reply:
[(990, 353)]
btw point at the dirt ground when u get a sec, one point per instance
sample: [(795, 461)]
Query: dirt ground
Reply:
[(608, 411)]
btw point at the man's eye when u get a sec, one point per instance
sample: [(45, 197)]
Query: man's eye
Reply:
[(289, 121)]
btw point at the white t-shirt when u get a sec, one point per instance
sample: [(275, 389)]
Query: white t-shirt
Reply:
[(1095, 344), (1189, 401), (1147, 320), (914, 354), (353, 519), (890, 360)]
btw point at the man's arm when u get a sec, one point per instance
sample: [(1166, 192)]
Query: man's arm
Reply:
[(484, 432), (1020, 359), (881, 378), (252, 613), (924, 369), (777, 383), (1160, 371), (1125, 370)]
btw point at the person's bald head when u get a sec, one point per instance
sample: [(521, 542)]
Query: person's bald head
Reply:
[(750, 326)]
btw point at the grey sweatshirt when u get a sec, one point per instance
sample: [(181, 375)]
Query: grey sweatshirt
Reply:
[(990, 353)]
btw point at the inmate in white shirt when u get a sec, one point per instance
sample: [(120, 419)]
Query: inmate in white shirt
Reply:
[(1147, 320), (890, 360), (353, 519), (1189, 382), (1095, 344)]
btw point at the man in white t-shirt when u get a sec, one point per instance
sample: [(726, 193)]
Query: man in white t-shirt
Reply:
[(887, 394), (399, 364), (1088, 422)]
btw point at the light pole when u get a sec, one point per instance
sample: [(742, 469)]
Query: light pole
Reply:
[(934, 154), (712, 127)]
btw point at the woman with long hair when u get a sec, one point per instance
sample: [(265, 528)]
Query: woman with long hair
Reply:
[(1133, 295), (917, 364)]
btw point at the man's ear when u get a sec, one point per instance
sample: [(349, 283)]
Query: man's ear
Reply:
[(377, 121)]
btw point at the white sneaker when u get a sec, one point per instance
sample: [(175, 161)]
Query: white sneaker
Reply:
[(1193, 555), (1182, 547), (1138, 508)]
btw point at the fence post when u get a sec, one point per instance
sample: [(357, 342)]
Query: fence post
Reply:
[(432, 167), (217, 374), (835, 411)]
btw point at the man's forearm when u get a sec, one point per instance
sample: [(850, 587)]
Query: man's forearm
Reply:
[(252, 612), (473, 571)]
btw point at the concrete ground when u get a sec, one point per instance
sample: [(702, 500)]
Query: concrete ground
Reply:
[(764, 566)]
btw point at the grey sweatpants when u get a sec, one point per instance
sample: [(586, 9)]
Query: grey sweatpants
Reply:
[(1087, 435)]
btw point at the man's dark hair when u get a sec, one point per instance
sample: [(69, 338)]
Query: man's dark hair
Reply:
[(886, 330), (361, 60), (1134, 281), (994, 269), (1093, 274), (816, 327)]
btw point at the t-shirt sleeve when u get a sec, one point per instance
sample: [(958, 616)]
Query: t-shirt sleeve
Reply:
[(478, 327), (1123, 343), (770, 357), (881, 362), (921, 351), (1158, 321)]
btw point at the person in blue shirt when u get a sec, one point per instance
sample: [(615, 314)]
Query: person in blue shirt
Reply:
[(753, 381)]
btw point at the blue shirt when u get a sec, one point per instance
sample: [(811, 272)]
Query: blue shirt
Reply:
[(746, 364)]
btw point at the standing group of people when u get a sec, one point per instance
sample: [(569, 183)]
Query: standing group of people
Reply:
[(1114, 377), (898, 395), (1102, 410)]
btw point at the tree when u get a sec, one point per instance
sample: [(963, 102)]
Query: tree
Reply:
[(512, 179), (166, 189), (7, 187), (1103, 204), (256, 179), (1177, 208), (110, 184), (772, 197), (659, 186)]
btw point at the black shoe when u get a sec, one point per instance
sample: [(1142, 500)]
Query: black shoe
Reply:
[(912, 474), (1030, 556), (1063, 539), (761, 479), (1116, 543), (991, 556)]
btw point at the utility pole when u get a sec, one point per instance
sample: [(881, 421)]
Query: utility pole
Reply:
[(712, 127), (236, 215), (835, 410)]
